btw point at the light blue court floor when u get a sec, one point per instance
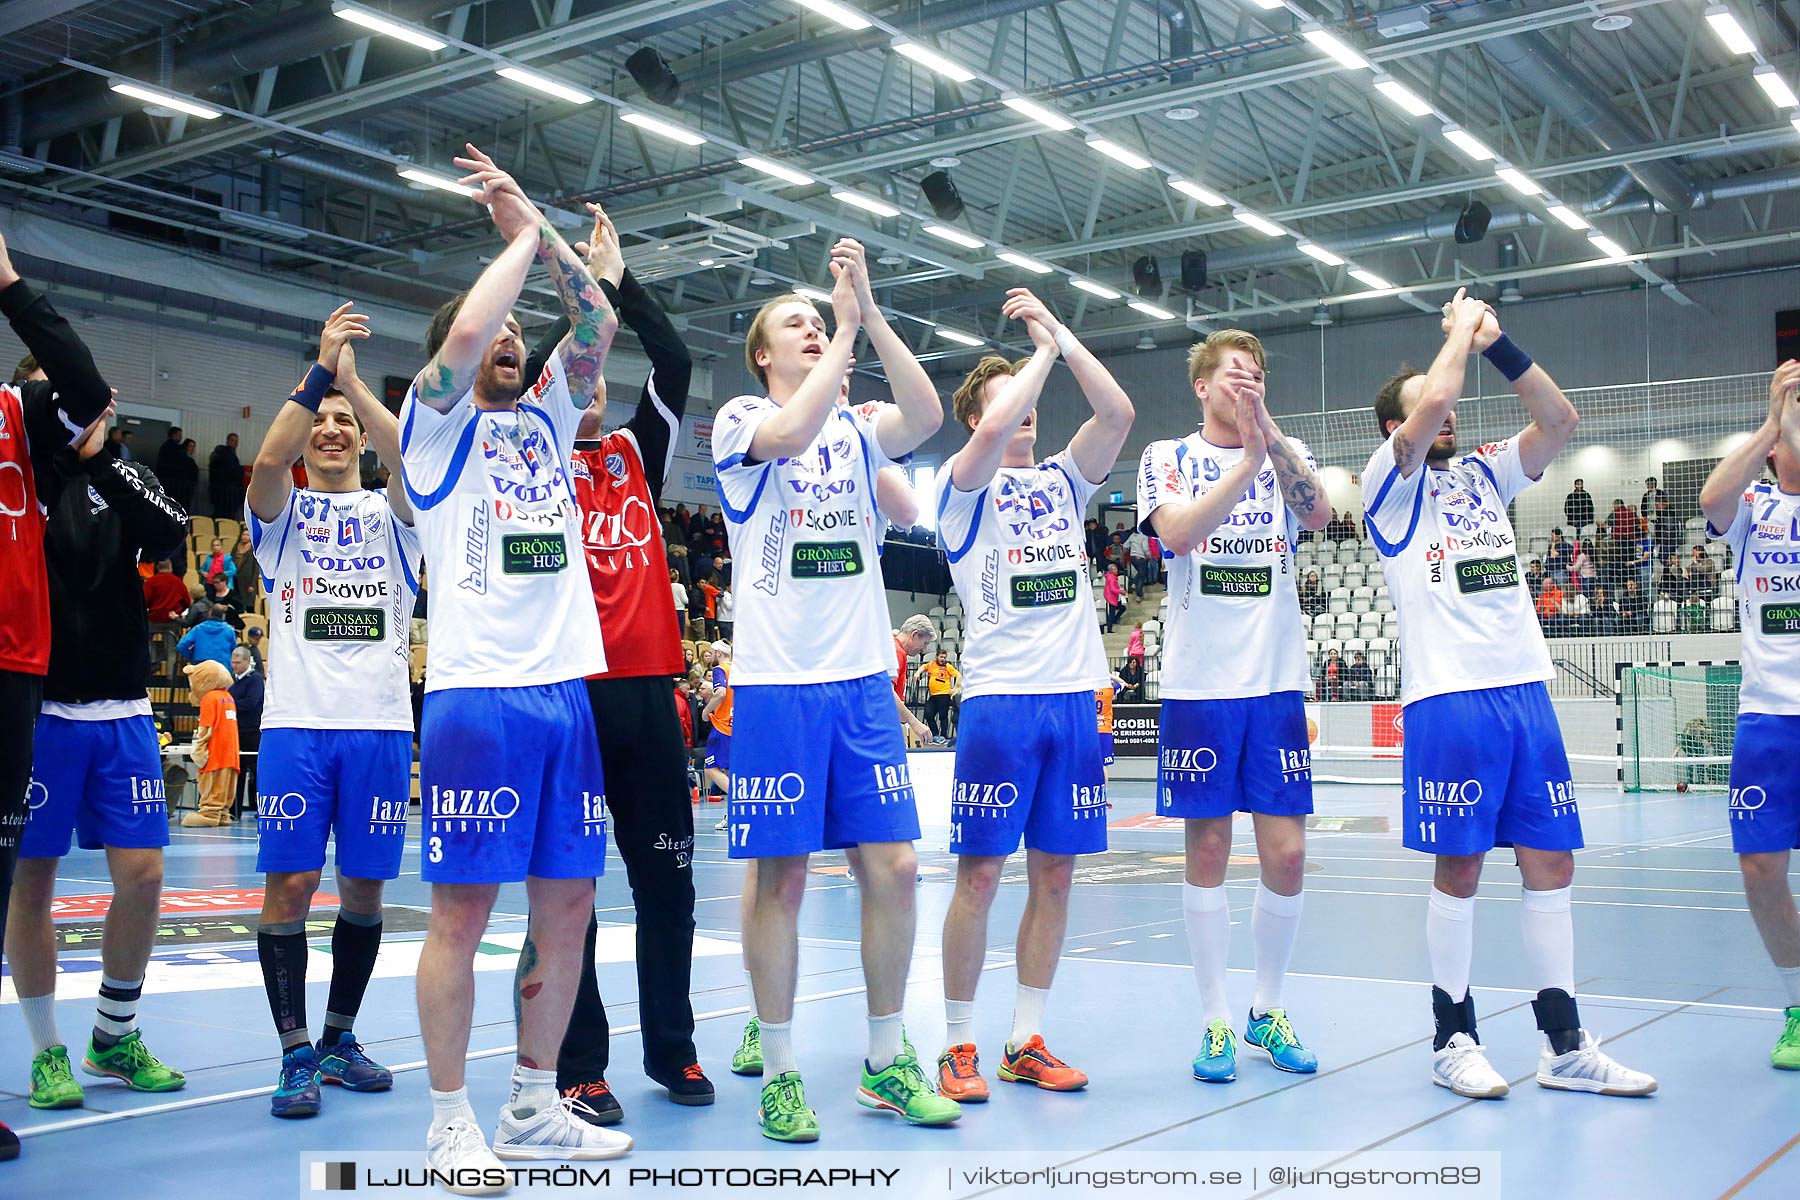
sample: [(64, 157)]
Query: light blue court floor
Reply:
[(1670, 971)]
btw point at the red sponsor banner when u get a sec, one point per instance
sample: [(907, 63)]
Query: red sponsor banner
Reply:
[(1145, 821), (174, 904), (1387, 728)]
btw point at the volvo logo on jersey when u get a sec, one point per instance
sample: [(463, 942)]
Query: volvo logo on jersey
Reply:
[(1031, 505)]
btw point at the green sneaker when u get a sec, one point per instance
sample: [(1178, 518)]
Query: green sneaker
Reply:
[(748, 1059), (903, 1088), (52, 1082), (783, 1115), (1786, 1055), (132, 1063)]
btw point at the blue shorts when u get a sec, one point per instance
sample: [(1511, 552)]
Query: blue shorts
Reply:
[(1218, 757), (1106, 750), (718, 751), (1765, 784), (312, 782), (1485, 769), (1028, 765), (819, 766), (99, 780), (512, 785)]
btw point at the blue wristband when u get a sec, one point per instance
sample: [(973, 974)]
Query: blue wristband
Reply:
[(1507, 358), (311, 392)]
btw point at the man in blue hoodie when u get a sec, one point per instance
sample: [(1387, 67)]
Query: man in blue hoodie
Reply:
[(210, 639)]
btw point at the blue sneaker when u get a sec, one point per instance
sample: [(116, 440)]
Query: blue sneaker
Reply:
[(1217, 1060), (297, 1092), (347, 1065), (1272, 1034)]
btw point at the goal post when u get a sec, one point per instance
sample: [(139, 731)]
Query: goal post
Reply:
[(1677, 723)]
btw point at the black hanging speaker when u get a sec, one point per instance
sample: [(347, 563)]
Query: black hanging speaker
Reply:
[(651, 71), (1146, 276), (940, 192), (1193, 270), (1472, 223)]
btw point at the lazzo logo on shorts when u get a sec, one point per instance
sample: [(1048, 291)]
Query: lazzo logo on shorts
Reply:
[(984, 799), (147, 792), (593, 814), (36, 796), (481, 809), (893, 784), (1441, 797), (1088, 801), (1296, 765), (279, 812), (1745, 802), (390, 813), (1190, 763), (788, 789)]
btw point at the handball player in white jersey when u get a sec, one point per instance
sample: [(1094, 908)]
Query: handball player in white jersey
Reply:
[(1028, 761), (1484, 763), (1759, 521), (817, 759), (1226, 502), (509, 765), (340, 568)]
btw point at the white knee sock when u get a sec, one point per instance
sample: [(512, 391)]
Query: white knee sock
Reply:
[(1450, 939), (959, 1019), (886, 1039), (532, 1089), (1208, 916), (1028, 1014), (40, 1021), (778, 1049), (448, 1106), (1548, 928), (1274, 924), (1790, 979)]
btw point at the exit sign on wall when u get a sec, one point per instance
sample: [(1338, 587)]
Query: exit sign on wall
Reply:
[(1787, 335)]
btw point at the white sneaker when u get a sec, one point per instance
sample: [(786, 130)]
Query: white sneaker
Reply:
[(1585, 1069), (723, 825), (556, 1133), (459, 1153), (1462, 1066)]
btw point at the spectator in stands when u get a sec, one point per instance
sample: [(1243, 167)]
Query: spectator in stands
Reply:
[(1693, 615), (727, 612), (165, 596), (1331, 674), (244, 560), (1534, 577), (1652, 501), (1340, 528), (219, 592), (1139, 545), (1626, 524), (684, 712), (681, 597), (115, 444), (1113, 592), (168, 456), (1575, 611), (1666, 528), (1641, 563), (1559, 558), (1134, 646), (1703, 574), (225, 479), (1614, 554), (247, 694), (1583, 574), (210, 640), (1096, 539), (253, 642), (1578, 508), (1359, 680), (722, 562), (1549, 606), (1131, 674), (217, 563), (1672, 582), (709, 590), (941, 682), (1313, 600), (1603, 614), (1633, 609), (678, 561)]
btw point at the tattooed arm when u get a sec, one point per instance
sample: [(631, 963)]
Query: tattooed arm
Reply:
[(1443, 384), (592, 321), (1301, 488)]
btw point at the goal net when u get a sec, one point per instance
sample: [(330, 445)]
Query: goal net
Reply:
[(1677, 722)]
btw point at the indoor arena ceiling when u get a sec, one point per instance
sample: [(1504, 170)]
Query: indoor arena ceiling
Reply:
[(1344, 131)]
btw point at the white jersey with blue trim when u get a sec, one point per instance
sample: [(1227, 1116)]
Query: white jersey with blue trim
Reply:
[(341, 574), (510, 602), (1467, 621), (1764, 538), (1234, 628), (1019, 561), (805, 548)]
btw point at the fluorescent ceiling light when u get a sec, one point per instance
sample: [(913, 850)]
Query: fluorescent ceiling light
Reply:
[(412, 35), (1042, 115), (673, 132), (956, 236), (848, 17), (1607, 246), (1258, 222), (880, 208), (1096, 289), (1728, 29), (1568, 216), (1335, 46), (1314, 250), (957, 335), (812, 293), (1118, 153), (1151, 310), (156, 96), (1370, 278), (1403, 97), (1517, 180), (781, 171), (433, 179), (1269, 5), (1468, 143), (931, 60), (1770, 80), (1206, 196), (1029, 264), (547, 85)]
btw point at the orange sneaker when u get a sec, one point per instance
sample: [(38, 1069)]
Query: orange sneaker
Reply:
[(959, 1075), (1031, 1063)]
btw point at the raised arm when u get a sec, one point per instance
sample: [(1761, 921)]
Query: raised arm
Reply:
[(271, 471), (152, 520), (1443, 383), (59, 411), (1184, 527), (1301, 488), (1739, 469), (1553, 418), (1096, 445), (918, 412), (895, 497), (786, 433), (592, 319), (380, 426), (977, 462)]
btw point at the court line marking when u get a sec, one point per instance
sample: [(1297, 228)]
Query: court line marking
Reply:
[(1762, 1166), (1722, 908)]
